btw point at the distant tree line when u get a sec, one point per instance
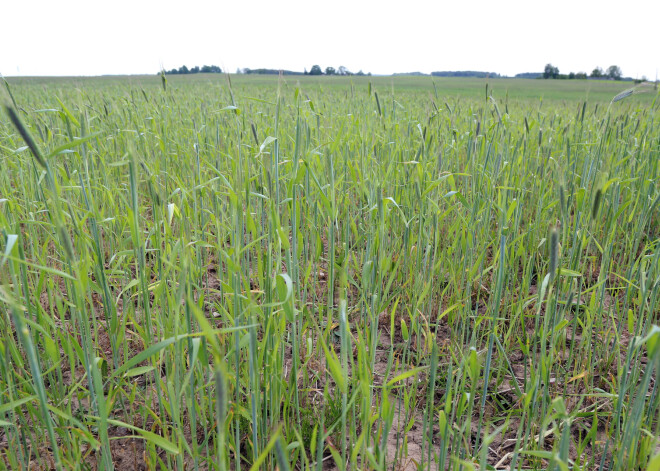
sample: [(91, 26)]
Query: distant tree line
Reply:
[(613, 72), (341, 70), (465, 73), (453, 73), (205, 69), (315, 70), (530, 75), (267, 72), (410, 74)]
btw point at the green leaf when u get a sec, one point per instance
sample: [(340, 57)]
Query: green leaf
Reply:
[(434, 184), (404, 330), (631, 321), (68, 113), (231, 108), (561, 325), (51, 349), (52, 271), (569, 273), (11, 241), (283, 237), (334, 365), (559, 405), (652, 341), (389, 199), (407, 374), (140, 370), (126, 288), (171, 210), (654, 464), (74, 143), (442, 424), (140, 357), (265, 452), (539, 454), (267, 141), (284, 287), (17, 403), (473, 364), (157, 440)]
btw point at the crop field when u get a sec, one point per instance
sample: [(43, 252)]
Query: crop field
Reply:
[(364, 273)]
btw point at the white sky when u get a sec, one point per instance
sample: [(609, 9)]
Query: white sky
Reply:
[(89, 37)]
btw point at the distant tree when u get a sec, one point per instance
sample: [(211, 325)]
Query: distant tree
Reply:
[(464, 73), (360, 73), (530, 75), (550, 71), (316, 70), (614, 72), (206, 69), (263, 71), (343, 71), (597, 73), (580, 76), (330, 71), (210, 69), (571, 75), (305, 72)]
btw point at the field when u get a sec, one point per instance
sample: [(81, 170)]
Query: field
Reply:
[(329, 273)]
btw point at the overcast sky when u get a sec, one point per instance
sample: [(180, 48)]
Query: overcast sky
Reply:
[(89, 37)]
